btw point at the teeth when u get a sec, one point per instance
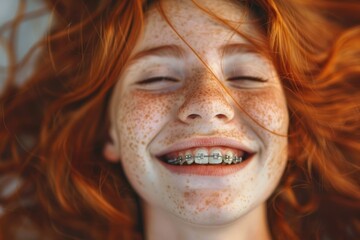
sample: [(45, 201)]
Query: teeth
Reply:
[(237, 159), (215, 157), (201, 156), (189, 158), (173, 161), (181, 160), (228, 157)]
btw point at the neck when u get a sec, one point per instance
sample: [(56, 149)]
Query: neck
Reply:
[(161, 226)]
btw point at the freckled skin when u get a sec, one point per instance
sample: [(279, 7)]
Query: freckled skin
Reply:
[(147, 122)]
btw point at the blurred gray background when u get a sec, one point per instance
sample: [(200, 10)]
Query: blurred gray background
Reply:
[(29, 32)]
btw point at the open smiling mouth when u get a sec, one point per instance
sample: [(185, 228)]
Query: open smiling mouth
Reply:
[(206, 161), (211, 156), (206, 156)]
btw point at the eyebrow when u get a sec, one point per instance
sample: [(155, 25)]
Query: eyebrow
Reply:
[(160, 51), (237, 48)]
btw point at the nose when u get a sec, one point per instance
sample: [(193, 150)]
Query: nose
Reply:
[(206, 102)]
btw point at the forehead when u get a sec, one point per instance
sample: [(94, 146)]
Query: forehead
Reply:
[(194, 21)]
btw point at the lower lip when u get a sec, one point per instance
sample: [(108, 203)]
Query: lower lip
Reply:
[(207, 170)]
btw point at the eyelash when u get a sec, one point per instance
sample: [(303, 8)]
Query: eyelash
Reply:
[(251, 78), (156, 79), (152, 83), (164, 78)]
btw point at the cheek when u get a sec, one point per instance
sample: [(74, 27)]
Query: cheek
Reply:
[(275, 168), (140, 117), (266, 107), (269, 116)]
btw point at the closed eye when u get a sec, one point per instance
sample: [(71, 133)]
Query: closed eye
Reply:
[(247, 82), (249, 78), (159, 84), (156, 80)]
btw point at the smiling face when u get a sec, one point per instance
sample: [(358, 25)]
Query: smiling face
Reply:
[(171, 102)]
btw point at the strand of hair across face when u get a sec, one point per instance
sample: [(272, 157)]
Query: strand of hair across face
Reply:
[(211, 71)]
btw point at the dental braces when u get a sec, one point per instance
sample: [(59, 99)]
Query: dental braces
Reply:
[(227, 159)]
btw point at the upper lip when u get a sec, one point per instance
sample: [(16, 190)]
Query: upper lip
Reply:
[(204, 142)]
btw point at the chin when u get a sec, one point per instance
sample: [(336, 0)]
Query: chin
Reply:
[(211, 216)]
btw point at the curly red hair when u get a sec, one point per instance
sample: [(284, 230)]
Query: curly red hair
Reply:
[(54, 125)]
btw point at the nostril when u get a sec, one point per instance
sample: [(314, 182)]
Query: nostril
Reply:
[(193, 116), (221, 116)]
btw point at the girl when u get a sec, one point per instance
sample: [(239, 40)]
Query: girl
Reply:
[(187, 120)]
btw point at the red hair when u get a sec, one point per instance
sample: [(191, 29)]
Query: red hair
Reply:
[(55, 125)]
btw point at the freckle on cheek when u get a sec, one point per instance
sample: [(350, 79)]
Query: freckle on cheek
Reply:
[(264, 106)]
